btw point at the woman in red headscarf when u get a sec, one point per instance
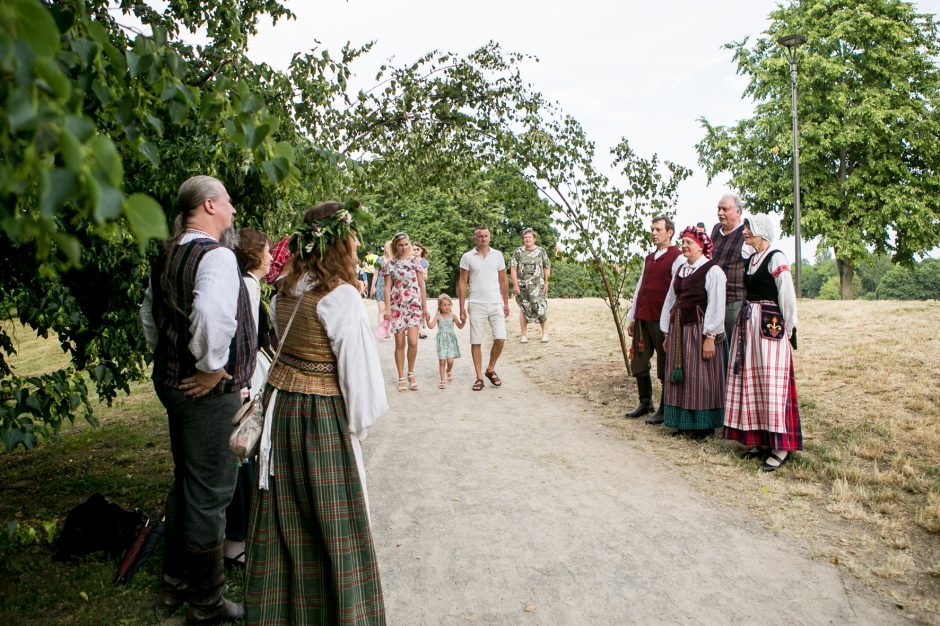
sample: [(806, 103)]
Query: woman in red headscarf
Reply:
[(693, 322)]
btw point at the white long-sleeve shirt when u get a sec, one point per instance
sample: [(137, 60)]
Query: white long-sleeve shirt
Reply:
[(253, 286), (715, 281), (346, 323), (215, 305), (357, 359)]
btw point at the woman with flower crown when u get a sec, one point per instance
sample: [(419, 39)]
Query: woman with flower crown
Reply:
[(310, 557)]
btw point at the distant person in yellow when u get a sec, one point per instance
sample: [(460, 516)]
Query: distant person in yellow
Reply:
[(371, 258)]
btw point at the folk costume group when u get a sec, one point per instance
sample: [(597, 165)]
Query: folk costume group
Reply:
[(310, 556), (720, 315), (308, 546)]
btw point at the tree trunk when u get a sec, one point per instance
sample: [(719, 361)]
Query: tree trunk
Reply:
[(613, 302), (846, 274)]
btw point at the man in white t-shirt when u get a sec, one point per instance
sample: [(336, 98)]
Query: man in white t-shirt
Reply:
[(484, 269)]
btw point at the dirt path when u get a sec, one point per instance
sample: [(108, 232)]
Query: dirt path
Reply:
[(508, 506)]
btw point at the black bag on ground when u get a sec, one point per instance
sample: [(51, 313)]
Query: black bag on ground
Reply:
[(97, 525)]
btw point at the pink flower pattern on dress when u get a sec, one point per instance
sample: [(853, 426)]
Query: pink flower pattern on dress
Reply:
[(406, 294)]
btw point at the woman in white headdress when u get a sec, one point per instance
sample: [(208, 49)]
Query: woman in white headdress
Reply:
[(761, 409)]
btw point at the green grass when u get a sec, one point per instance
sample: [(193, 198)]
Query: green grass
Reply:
[(127, 459)]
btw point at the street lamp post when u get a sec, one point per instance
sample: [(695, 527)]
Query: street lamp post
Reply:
[(791, 43)]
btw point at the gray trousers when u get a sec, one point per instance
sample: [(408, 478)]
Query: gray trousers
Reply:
[(204, 470), (731, 314)]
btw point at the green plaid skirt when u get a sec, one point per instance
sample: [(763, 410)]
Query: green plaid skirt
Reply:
[(310, 558)]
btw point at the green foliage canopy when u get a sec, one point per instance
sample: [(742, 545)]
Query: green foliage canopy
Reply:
[(100, 124), (488, 118), (869, 112)]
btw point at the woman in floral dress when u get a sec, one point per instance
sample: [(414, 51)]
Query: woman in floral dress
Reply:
[(406, 304)]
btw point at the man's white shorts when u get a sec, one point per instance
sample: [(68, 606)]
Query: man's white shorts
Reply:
[(480, 315)]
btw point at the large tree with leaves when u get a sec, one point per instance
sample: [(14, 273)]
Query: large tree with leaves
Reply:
[(481, 108), (869, 111), (101, 121)]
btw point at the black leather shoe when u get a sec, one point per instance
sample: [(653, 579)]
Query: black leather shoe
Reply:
[(657, 417), (640, 411)]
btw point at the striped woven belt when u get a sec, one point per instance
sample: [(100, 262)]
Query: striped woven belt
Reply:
[(313, 367)]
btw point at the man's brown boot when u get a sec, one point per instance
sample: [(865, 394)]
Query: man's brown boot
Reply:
[(174, 590), (207, 605)]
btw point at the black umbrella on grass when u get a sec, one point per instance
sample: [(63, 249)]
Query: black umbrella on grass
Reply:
[(138, 552)]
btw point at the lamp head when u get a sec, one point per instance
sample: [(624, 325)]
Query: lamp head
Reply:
[(792, 41)]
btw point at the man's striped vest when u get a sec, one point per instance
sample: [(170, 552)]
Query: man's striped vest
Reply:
[(172, 359)]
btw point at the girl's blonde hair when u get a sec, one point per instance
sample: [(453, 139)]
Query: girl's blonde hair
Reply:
[(444, 298)]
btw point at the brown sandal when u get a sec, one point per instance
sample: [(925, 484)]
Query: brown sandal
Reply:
[(494, 379), (478, 385)]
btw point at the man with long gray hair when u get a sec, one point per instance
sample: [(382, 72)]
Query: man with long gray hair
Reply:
[(196, 315)]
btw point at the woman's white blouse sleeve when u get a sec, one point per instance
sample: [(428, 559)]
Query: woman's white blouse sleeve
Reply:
[(357, 359), (715, 282), (254, 296), (779, 268)]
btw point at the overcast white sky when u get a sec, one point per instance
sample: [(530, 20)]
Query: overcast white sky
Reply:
[(641, 70)]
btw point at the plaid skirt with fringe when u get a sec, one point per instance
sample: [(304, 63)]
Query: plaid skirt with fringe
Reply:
[(761, 405), (310, 558), (696, 403)]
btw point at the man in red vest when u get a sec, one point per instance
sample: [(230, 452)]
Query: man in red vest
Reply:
[(643, 317)]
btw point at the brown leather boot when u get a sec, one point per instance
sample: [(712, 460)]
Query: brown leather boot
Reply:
[(207, 579), (174, 590)]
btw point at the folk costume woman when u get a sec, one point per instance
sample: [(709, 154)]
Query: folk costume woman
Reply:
[(761, 410), (693, 322), (253, 253), (310, 553)]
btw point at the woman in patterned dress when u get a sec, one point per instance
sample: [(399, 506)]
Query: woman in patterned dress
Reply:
[(310, 555), (378, 281), (406, 304), (693, 322), (530, 269), (424, 266), (761, 410)]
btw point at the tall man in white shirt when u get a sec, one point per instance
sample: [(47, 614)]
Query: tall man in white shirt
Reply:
[(197, 317), (483, 269)]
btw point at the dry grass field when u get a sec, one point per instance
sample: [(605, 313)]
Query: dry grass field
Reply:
[(865, 493)]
